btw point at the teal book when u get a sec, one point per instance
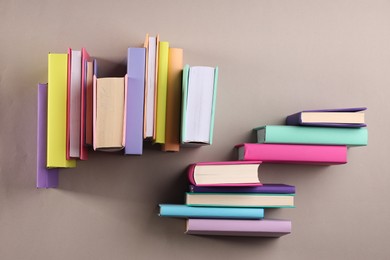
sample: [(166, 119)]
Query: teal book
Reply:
[(185, 211), (286, 134), (245, 200)]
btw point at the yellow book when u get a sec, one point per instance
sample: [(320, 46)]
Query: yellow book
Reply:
[(56, 115), (162, 79)]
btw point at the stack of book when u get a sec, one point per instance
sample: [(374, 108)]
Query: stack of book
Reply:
[(227, 198), (158, 100), (309, 137)]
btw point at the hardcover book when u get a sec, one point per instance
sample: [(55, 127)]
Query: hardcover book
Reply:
[(249, 200), (238, 227), (184, 211), (312, 135), (198, 105), (342, 117), (289, 153), (229, 173), (46, 178), (84, 61), (135, 101), (162, 80), (265, 188), (172, 125), (56, 107)]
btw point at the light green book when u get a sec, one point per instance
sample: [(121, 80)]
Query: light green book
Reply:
[(162, 80), (198, 104), (312, 135)]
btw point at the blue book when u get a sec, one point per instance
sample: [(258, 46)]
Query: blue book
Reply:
[(135, 101), (184, 211)]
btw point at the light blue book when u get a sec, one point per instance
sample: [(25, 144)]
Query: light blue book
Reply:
[(185, 211)]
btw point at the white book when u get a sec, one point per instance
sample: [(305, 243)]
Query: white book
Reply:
[(150, 92), (75, 104)]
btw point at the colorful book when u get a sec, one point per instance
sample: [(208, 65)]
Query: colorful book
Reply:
[(198, 105), (288, 153), (249, 200), (341, 117), (265, 188), (109, 112), (184, 211), (73, 105), (162, 80), (172, 124), (135, 101), (83, 110), (151, 64), (229, 173), (89, 105), (46, 178), (312, 135), (238, 227), (56, 107)]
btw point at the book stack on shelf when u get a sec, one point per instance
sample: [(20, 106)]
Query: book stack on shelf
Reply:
[(158, 100), (227, 198), (309, 137)]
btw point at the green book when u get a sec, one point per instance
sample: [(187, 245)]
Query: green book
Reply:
[(312, 135), (162, 79)]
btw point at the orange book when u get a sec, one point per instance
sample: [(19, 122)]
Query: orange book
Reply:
[(172, 125)]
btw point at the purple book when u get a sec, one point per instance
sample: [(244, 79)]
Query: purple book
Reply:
[(46, 178), (238, 227), (135, 101), (297, 118), (265, 188)]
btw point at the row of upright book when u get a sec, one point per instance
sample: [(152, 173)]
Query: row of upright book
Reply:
[(159, 100), (228, 198)]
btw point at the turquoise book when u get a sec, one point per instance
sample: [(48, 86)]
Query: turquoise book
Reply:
[(185, 211), (286, 134)]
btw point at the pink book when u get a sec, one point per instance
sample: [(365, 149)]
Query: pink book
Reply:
[(229, 173), (289, 153), (84, 59), (238, 227)]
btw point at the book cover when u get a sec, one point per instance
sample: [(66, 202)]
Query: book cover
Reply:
[(162, 80), (73, 105), (172, 126), (298, 154), (239, 173), (135, 101), (184, 211), (84, 61), (312, 135), (249, 200), (238, 227), (265, 188), (46, 178), (57, 108), (296, 119)]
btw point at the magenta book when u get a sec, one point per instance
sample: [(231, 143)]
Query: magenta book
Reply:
[(291, 153)]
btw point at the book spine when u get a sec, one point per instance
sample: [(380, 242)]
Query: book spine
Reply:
[(162, 78), (183, 211), (229, 227), (172, 127), (265, 188), (83, 97), (135, 101), (56, 107), (46, 178)]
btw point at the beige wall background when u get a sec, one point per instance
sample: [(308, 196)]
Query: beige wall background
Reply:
[(275, 58)]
